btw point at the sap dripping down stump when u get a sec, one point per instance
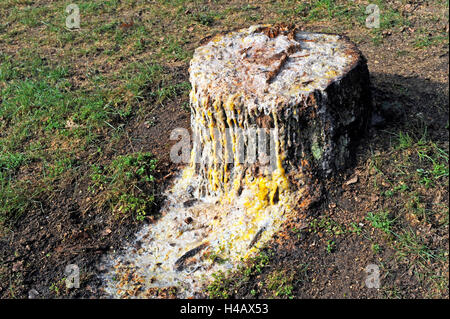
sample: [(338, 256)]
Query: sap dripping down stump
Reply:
[(311, 90)]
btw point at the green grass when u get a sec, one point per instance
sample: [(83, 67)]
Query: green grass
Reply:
[(223, 285), (328, 9), (331, 246), (411, 247), (381, 221), (42, 110), (281, 283), (15, 199), (153, 83), (129, 183), (40, 98), (332, 227), (376, 248), (219, 288), (409, 182), (207, 19), (257, 264), (425, 40), (409, 179), (39, 107)]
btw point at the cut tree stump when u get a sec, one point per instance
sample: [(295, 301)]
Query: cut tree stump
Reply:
[(274, 111), (311, 90)]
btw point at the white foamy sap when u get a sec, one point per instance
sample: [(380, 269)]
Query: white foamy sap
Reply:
[(229, 233), (242, 61)]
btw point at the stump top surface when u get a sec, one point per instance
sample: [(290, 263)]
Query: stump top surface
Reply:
[(268, 66)]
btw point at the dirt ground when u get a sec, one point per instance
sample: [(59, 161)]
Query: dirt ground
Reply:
[(389, 209)]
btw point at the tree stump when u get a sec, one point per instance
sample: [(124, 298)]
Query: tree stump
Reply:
[(274, 111), (303, 96)]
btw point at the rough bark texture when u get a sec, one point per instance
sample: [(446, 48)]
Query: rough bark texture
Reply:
[(329, 127)]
